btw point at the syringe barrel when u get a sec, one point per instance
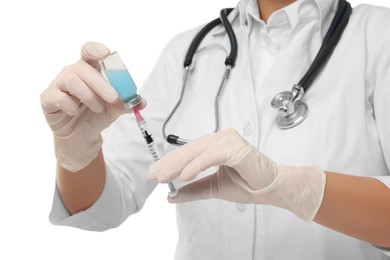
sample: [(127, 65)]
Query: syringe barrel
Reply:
[(153, 149)]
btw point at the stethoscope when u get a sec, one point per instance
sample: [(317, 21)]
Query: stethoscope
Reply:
[(291, 109)]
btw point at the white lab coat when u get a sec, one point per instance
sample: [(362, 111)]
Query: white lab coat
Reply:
[(347, 131)]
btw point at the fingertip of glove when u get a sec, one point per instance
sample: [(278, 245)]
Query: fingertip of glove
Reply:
[(94, 50), (143, 104), (173, 199)]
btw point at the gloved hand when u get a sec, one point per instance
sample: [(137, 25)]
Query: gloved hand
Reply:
[(78, 104), (245, 175)]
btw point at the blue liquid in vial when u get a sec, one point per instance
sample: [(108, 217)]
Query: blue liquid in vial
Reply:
[(122, 83)]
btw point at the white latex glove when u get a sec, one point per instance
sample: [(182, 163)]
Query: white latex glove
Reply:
[(245, 175), (78, 104)]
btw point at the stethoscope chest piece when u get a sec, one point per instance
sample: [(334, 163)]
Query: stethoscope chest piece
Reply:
[(291, 110)]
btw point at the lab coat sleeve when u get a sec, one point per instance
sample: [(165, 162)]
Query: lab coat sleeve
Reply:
[(382, 89), (382, 85), (127, 158), (94, 218), (384, 179)]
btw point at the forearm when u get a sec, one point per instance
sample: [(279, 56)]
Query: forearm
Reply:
[(356, 206), (79, 190)]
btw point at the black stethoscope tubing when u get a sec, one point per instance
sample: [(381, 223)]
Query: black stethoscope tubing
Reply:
[(332, 37), (223, 19)]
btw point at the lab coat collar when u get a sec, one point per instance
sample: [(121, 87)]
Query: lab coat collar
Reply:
[(299, 11)]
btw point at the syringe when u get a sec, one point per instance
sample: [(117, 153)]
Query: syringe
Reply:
[(151, 145), (121, 80)]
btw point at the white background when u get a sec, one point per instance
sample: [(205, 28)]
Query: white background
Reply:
[(38, 38)]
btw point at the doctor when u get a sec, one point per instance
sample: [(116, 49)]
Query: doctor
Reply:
[(315, 191)]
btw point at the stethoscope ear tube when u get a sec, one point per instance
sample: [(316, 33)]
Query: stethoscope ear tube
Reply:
[(174, 139), (231, 59)]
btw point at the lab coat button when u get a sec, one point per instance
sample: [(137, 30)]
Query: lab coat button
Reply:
[(241, 207), (247, 130)]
